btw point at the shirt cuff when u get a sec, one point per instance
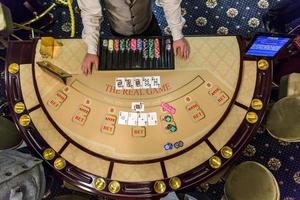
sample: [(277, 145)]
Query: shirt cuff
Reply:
[(92, 50), (176, 30), (177, 34)]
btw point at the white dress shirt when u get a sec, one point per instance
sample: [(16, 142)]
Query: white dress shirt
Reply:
[(91, 14)]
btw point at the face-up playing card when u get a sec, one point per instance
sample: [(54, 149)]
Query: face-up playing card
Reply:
[(123, 118), (137, 83), (152, 119), (155, 82), (128, 83), (132, 119), (120, 83), (147, 82), (142, 119), (137, 106)]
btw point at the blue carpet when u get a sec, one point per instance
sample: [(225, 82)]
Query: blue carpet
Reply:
[(224, 17)]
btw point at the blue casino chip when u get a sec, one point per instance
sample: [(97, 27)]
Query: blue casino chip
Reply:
[(168, 146)]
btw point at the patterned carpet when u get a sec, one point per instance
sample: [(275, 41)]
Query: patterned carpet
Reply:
[(214, 17)]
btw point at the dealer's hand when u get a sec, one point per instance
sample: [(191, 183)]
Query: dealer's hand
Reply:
[(181, 47), (89, 61)]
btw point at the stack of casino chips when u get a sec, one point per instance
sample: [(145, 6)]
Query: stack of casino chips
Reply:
[(136, 53)]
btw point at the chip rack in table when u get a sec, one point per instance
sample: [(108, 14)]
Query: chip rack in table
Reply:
[(152, 53)]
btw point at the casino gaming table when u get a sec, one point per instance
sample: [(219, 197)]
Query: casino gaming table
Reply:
[(218, 97)]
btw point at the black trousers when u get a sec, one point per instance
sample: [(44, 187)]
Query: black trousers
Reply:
[(282, 14), (152, 30)]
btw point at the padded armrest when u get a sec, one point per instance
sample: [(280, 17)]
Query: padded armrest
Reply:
[(6, 23), (289, 85)]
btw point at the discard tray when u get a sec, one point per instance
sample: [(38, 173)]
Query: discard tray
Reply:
[(132, 53)]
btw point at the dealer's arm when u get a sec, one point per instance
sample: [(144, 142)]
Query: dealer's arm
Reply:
[(176, 22), (91, 15)]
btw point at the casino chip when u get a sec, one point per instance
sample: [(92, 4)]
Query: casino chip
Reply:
[(178, 144), (168, 118), (168, 146), (172, 128)]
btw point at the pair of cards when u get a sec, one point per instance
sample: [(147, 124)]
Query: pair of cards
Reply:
[(81, 115), (137, 119), (137, 82), (56, 101)]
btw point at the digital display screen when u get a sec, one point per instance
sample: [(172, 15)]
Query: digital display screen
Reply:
[(267, 46)]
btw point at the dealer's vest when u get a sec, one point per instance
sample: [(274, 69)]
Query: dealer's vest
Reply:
[(129, 17)]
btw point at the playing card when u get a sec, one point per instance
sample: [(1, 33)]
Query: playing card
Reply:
[(155, 82), (120, 83), (142, 119), (147, 82), (123, 118), (137, 83), (128, 83), (152, 119), (132, 119), (137, 106)]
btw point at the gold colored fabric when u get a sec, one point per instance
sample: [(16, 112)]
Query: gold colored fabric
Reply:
[(283, 121), (50, 47), (251, 181), (290, 85)]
